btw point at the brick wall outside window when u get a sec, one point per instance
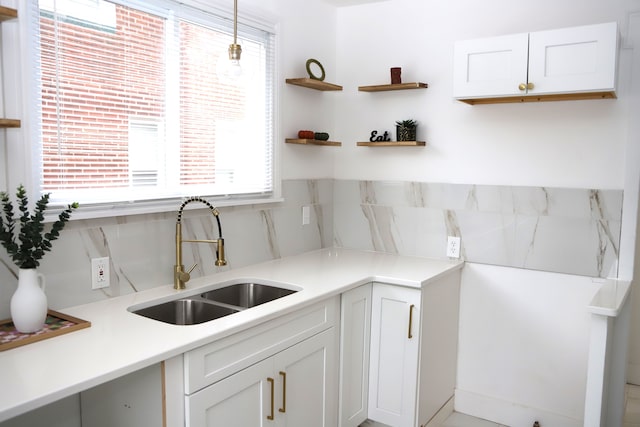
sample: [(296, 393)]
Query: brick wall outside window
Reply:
[(103, 78)]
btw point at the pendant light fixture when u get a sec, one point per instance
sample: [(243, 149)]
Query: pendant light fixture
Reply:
[(235, 50)]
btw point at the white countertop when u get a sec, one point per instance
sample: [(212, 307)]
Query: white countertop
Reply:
[(119, 342), (610, 298)]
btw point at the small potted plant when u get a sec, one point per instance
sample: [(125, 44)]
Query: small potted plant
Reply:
[(406, 130), (24, 237)]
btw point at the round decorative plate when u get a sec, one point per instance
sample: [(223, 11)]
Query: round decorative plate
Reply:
[(313, 65)]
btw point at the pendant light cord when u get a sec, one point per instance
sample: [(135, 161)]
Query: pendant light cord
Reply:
[(235, 21)]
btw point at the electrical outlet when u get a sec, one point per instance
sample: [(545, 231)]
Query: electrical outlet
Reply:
[(100, 273), (453, 247), (306, 215)]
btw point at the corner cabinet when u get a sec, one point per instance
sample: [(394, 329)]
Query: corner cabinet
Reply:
[(6, 14), (398, 352), (564, 64)]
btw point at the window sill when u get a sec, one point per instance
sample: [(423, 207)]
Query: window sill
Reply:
[(152, 207)]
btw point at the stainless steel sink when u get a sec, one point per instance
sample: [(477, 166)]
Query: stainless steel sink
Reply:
[(186, 311), (246, 295), (214, 304)]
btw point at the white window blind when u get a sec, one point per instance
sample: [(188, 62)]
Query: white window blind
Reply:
[(134, 103)]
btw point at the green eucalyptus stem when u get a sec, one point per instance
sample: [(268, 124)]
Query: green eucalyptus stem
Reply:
[(25, 238)]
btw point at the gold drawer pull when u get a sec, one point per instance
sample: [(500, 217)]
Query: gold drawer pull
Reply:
[(284, 392), (410, 320), (527, 86), (271, 382)]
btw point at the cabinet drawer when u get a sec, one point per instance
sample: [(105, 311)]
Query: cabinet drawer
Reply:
[(213, 362)]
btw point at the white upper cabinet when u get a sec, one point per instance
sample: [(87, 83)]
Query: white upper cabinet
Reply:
[(570, 63), (490, 67), (576, 59)]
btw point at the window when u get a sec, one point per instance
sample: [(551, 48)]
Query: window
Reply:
[(134, 103)]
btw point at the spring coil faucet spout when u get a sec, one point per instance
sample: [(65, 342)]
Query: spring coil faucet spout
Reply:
[(181, 277)]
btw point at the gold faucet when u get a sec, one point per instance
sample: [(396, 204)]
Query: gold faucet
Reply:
[(180, 277)]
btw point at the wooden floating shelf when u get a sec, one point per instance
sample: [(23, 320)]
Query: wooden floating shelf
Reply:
[(540, 98), (400, 86), (7, 13), (312, 142), (392, 144), (9, 123), (313, 84)]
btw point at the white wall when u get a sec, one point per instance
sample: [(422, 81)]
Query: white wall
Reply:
[(308, 30), (566, 144), (523, 345)]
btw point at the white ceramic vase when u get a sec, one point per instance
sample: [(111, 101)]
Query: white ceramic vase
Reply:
[(29, 302)]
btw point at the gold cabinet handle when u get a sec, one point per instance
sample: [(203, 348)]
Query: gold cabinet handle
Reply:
[(284, 392), (410, 320), (527, 86), (272, 383)]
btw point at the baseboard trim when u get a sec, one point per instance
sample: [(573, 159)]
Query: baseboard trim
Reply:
[(508, 413)]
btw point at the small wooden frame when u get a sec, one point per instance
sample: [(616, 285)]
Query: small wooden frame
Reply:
[(313, 84), (312, 142), (399, 86), (56, 324), (392, 144)]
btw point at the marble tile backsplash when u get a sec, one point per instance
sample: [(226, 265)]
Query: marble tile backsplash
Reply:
[(574, 231)]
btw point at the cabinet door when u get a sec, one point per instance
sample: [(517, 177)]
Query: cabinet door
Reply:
[(306, 389), (296, 387), (355, 331), (490, 67), (395, 321), (579, 59), (240, 400)]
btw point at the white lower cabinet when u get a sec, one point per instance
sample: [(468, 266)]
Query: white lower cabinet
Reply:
[(393, 369), (294, 387), (355, 329), (398, 352), (283, 372), (235, 401)]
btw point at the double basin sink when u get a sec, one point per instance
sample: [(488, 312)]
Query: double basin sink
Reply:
[(213, 304)]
